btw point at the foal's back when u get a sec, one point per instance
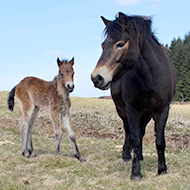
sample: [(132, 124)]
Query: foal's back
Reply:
[(32, 91)]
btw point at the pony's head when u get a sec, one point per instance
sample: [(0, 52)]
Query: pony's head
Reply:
[(66, 73), (121, 48)]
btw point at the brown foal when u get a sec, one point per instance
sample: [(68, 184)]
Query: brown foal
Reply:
[(34, 93)]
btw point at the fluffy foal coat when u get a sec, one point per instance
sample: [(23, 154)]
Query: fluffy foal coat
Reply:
[(34, 93)]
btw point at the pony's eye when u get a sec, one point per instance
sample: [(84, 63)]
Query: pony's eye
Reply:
[(120, 44), (61, 75)]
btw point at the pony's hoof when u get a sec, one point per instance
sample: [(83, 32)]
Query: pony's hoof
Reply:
[(136, 177), (162, 172), (126, 159)]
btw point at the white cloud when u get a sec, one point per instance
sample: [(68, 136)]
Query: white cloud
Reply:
[(53, 53), (155, 6), (127, 2)]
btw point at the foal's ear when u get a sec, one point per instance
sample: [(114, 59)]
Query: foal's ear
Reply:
[(59, 62), (106, 22), (72, 61)]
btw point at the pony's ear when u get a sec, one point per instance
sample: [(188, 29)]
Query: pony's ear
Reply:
[(59, 62), (106, 22), (72, 61), (122, 16)]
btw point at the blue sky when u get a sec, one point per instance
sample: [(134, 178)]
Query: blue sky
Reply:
[(34, 33)]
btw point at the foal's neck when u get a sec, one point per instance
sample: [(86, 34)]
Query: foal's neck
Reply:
[(61, 89)]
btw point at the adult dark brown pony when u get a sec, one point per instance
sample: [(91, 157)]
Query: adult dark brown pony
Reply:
[(142, 82), (34, 93)]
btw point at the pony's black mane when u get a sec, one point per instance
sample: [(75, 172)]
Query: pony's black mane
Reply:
[(134, 26)]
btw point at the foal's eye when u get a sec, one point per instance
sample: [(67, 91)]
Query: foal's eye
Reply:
[(120, 44), (61, 75)]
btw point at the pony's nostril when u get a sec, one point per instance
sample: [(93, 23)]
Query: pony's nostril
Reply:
[(98, 80), (99, 77)]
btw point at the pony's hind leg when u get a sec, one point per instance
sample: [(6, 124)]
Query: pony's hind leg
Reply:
[(160, 123), (29, 136), (71, 135)]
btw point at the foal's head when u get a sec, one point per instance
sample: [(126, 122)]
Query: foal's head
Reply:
[(66, 73)]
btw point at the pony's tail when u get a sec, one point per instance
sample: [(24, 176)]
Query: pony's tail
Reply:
[(10, 100)]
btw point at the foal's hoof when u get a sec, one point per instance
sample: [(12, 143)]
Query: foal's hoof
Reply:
[(81, 159), (26, 154), (136, 177), (33, 154)]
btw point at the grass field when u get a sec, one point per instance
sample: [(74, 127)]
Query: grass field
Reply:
[(100, 138)]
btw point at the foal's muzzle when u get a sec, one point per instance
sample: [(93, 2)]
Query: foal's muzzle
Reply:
[(70, 87)]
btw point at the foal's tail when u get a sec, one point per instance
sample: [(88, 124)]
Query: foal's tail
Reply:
[(10, 100)]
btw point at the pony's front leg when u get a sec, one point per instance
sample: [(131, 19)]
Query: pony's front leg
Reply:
[(126, 155), (133, 119), (71, 136)]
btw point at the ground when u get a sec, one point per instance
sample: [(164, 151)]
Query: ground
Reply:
[(100, 139)]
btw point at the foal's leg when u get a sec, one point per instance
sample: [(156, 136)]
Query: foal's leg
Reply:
[(71, 135), (56, 120), (24, 126), (29, 137), (160, 123)]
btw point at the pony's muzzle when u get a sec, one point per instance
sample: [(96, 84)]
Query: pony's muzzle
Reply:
[(99, 82)]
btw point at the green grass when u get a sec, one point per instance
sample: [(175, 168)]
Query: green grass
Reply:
[(100, 140)]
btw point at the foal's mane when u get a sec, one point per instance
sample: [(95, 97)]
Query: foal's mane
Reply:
[(66, 62), (134, 26)]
